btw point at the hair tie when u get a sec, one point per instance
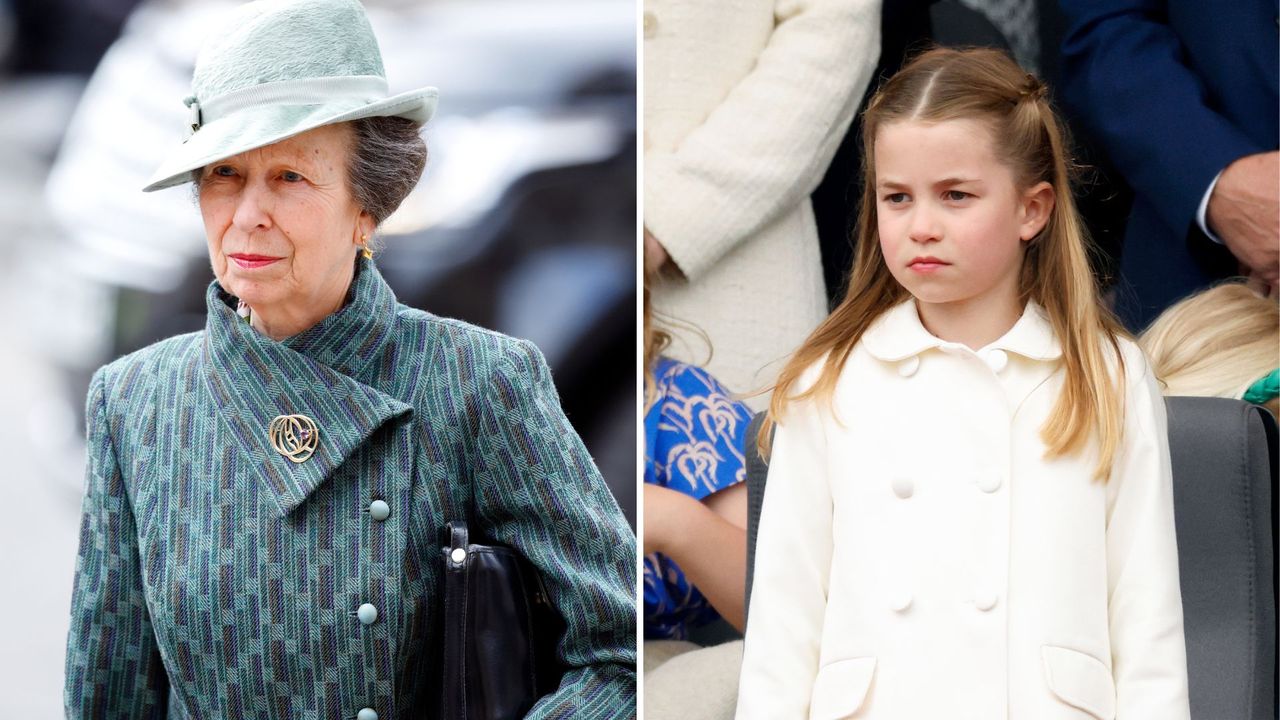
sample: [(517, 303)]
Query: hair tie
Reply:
[(1032, 88), (1264, 388)]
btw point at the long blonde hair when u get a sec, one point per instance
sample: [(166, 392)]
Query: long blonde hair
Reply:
[(949, 84), (1215, 343)]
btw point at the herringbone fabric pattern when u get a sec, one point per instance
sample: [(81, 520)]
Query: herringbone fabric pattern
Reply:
[(218, 579)]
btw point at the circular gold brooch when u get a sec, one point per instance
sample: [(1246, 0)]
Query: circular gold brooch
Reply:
[(294, 436)]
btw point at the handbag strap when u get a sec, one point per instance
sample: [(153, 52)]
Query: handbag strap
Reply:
[(456, 537), (455, 673)]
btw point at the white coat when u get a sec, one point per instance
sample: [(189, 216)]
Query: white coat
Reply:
[(745, 102), (924, 560)]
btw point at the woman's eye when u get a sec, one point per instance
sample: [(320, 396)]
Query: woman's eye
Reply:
[(956, 195), (224, 171), (290, 176)]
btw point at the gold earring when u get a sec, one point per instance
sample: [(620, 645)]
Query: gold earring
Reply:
[(364, 245)]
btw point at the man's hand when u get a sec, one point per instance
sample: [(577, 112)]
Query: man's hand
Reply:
[(1244, 210)]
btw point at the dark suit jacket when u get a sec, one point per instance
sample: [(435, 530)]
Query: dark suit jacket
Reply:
[(218, 579), (1175, 90)]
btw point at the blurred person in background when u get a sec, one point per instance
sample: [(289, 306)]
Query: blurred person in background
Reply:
[(744, 106), (1182, 96), (1221, 342), (47, 50), (264, 498)]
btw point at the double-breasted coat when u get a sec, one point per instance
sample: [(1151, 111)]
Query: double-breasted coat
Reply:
[(921, 558), (218, 579)]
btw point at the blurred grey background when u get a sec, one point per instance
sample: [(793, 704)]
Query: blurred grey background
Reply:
[(524, 222)]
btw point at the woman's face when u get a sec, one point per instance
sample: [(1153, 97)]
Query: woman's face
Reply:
[(281, 223)]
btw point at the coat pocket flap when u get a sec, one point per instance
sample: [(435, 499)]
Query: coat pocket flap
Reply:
[(841, 687), (1080, 680)]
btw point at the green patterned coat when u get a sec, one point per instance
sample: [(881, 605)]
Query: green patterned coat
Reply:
[(218, 579)]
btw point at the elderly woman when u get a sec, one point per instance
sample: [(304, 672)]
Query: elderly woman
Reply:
[(265, 499)]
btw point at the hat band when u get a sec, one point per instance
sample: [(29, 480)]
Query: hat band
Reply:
[(306, 91)]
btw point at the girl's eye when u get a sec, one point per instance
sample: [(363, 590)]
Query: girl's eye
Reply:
[(290, 176), (956, 195), (895, 198)]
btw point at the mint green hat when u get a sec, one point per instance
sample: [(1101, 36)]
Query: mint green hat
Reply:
[(280, 68)]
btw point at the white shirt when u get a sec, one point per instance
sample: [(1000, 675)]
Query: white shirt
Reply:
[(1202, 218)]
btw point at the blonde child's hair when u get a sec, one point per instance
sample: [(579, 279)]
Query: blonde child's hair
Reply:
[(982, 84), (655, 341), (1215, 343)]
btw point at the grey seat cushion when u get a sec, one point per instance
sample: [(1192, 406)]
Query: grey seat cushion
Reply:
[(1224, 477)]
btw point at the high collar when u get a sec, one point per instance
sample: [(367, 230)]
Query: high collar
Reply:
[(321, 372), (898, 334)]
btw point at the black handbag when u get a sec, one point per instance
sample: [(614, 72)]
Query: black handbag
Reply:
[(500, 631)]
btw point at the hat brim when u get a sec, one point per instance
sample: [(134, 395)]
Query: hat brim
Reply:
[(259, 127)]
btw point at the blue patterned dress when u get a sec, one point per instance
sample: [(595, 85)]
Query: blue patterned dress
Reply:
[(694, 435)]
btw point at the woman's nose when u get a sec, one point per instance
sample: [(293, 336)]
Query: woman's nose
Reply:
[(253, 208)]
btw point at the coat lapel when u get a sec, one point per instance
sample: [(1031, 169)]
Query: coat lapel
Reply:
[(318, 373), (1033, 338)]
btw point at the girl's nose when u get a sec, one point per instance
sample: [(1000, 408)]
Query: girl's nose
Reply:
[(253, 208), (924, 226)]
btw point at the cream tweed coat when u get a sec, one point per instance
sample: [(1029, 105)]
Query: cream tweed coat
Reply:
[(745, 102)]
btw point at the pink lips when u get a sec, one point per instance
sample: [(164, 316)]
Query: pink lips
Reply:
[(249, 261), (927, 264)]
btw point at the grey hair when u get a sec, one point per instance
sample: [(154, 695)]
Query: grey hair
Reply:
[(386, 162), (387, 158)]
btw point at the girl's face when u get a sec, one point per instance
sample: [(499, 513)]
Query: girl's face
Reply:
[(951, 219)]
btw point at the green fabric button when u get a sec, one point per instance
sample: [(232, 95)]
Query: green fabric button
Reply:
[(379, 510)]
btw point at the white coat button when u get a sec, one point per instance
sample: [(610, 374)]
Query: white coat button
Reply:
[(900, 601), (903, 487), (984, 601), (989, 483), (366, 714), (379, 510), (997, 360), (458, 555), (650, 24), (908, 367), (367, 613)]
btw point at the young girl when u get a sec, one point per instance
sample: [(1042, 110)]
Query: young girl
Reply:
[(969, 509), (695, 501)]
